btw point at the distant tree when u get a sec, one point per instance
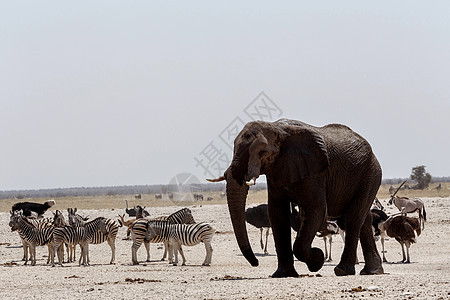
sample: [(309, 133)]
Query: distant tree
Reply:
[(422, 178)]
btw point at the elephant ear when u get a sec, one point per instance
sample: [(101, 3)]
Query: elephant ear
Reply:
[(301, 155)]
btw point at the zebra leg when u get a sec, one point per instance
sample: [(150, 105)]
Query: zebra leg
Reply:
[(170, 249), (25, 250), (134, 248), (50, 253), (209, 251), (81, 255), (33, 254), (112, 245), (147, 248), (180, 249), (67, 246), (166, 246), (86, 253), (175, 248)]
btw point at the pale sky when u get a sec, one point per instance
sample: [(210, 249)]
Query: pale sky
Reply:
[(107, 93)]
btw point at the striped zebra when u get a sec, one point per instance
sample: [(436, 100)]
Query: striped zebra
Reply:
[(34, 235), (139, 230), (183, 234), (60, 221), (82, 235), (112, 227), (42, 222)]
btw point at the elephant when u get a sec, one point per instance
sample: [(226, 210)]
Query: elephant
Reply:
[(329, 172)]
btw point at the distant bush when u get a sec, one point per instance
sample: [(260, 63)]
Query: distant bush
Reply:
[(422, 178)]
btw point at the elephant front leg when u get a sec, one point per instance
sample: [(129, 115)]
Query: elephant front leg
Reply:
[(313, 257), (278, 215)]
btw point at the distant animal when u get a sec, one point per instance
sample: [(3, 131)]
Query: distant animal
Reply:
[(198, 196), (209, 199), (177, 235), (28, 207), (391, 189), (258, 216), (439, 187), (404, 230), (327, 231), (138, 196), (410, 205), (158, 196)]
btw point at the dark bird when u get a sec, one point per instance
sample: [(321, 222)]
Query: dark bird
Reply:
[(404, 230), (132, 211), (258, 216), (28, 207)]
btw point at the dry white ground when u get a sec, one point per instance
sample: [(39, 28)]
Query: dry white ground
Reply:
[(229, 276)]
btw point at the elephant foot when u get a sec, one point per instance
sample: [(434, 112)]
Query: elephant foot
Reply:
[(375, 271), (314, 261), (285, 272), (341, 270)]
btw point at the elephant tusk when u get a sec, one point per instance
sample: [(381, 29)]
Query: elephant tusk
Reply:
[(221, 178), (251, 182)]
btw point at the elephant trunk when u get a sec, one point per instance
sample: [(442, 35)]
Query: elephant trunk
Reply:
[(236, 198)]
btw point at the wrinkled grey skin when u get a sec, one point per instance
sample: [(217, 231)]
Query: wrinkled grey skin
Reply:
[(328, 171)]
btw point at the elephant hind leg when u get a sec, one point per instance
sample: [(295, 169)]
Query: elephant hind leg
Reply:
[(372, 258)]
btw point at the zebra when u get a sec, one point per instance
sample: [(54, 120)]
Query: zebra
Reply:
[(139, 229), (183, 234), (82, 235), (112, 227), (42, 222), (59, 221), (40, 235)]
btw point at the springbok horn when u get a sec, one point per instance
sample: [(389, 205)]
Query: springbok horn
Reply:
[(221, 178), (251, 182)]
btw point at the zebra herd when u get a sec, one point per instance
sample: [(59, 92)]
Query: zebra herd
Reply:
[(174, 231)]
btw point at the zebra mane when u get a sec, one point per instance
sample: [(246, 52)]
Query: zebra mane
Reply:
[(95, 220)]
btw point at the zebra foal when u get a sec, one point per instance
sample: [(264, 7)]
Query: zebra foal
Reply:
[(82, 236), (182, 234)]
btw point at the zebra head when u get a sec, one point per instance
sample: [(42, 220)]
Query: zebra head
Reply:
[(58, 219), (102, 226), (14, 220), (188, 217)]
